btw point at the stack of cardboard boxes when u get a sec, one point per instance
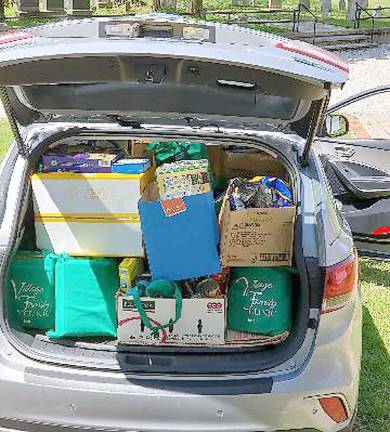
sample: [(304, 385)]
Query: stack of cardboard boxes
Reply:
[(111, 205)]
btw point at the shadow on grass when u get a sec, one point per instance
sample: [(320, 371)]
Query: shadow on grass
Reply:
[(374, 400)]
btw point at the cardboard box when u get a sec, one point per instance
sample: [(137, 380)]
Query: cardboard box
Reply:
[(202, 322), (249, 165), (89, 214), (257, 237), (138, 149), (88, 194), (183, 178), (215, 155), (80, 159), (131, 166), (181, 235), (90, 236)]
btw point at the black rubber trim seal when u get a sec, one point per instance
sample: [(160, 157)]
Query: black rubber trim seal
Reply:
[(212, 387), (203, 386)]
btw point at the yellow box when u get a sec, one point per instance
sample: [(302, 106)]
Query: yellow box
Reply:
[(129, 268)]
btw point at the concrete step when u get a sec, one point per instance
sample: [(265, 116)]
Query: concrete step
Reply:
[(349, 46), (330, 40), (339, 32)]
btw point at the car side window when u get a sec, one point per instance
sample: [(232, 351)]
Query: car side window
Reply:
[(365, 119)]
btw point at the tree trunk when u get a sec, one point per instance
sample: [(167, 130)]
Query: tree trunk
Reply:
[(274, 4), (196, 7), (342, 5), (168, 4), (2, 12), (326, 7), (352, 8)]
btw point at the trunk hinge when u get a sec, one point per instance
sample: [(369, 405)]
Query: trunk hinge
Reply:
[(315, 124), (12, 120)]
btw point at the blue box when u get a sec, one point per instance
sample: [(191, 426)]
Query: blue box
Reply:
[(131, 166), (181, 235)]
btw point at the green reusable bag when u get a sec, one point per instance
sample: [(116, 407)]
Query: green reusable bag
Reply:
[(30, 293), (171, 151), (157, 288), (260, 300), (85, 297)]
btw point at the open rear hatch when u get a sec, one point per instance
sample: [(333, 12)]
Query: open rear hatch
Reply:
[(138, 69)]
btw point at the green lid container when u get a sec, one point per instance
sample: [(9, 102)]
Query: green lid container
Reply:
[(30, 293), (260, 300)]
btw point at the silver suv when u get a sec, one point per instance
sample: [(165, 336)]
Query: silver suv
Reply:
[(165, 77)]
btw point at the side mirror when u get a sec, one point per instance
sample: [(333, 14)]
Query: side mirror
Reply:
[(336, 125)]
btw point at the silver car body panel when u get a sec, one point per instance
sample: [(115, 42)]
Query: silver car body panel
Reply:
[(101, 400), (38, 395)]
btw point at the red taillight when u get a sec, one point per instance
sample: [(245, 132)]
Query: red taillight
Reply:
[(384, 230), (334, 407), (340, 283)]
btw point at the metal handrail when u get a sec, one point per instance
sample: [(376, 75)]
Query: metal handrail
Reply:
[(303, 7), (358, 12), (372, 16), (252, 11)]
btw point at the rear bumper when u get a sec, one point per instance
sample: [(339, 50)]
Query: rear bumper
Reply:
[(44, 398), (21, 426)]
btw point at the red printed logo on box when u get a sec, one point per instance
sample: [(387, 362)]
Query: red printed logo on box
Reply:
[(214, 305), (173, 206)]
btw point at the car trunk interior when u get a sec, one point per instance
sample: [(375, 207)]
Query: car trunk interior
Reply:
[(240, 351)]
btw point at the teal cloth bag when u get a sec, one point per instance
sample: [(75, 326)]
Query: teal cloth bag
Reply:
[(85, 291), (260, 300), (171, 151), (30, 290)]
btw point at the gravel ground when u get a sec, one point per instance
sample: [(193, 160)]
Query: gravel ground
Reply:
[(368, 68)]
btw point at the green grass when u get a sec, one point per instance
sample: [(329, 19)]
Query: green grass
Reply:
[(336, 17), (5, 137), (374, 401)]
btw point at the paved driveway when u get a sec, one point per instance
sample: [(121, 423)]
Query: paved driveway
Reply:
[(368, 68)]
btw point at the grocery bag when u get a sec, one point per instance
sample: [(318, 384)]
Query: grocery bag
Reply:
[(85, 291), (30, 294), (171, 151), (260, 300)]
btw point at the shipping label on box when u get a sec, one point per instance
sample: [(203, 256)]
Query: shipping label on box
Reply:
[(202, 322), (257, 237)]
